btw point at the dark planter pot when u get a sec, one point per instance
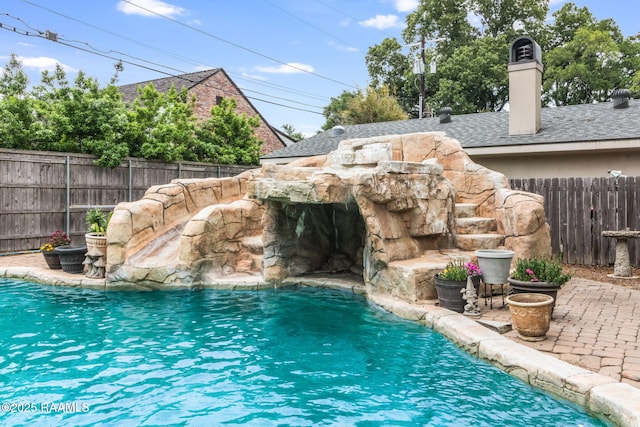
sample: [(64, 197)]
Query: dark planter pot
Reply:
[(72, 258), (521, 287), (449, 295), (52, 259)]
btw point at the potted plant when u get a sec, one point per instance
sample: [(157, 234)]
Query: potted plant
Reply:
[(451, 281), (96, 238), (57, 239), (538, 275)]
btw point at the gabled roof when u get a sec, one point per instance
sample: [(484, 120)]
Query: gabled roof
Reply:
[(286, 139), (575, 123), (187, 81)]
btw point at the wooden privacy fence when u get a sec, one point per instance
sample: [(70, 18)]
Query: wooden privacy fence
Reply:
[(580, 209), (41, 192)]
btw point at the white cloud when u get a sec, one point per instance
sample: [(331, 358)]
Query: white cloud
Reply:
[(147, 7), (42, 63), (382, 22), (406, 5), (341, 47), (290, 68), (255, 77)]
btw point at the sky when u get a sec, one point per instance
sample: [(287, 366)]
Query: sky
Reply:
[(289, 57)]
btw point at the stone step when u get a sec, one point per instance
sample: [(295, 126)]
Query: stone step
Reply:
[(475, 225), (472, 242), (417, 275), (466, 210)]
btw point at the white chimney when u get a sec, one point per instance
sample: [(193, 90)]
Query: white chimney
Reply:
[(525, 86)]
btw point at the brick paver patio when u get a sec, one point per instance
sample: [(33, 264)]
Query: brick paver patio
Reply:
[(594, 326)]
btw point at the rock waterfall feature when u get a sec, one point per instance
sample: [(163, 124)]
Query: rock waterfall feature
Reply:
[(388, 211)]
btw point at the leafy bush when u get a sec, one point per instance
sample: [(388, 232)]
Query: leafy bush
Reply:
[(536, 269), (96, 221), (458, 270)]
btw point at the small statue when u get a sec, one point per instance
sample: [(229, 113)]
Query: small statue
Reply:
[(471, 297)]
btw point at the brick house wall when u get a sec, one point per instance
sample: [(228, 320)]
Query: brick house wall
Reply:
[(208, 87), (219, 85)]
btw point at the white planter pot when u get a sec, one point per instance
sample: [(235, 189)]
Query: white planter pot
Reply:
[(495, 265)]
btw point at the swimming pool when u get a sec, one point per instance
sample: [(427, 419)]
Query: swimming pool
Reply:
[(297, 356)]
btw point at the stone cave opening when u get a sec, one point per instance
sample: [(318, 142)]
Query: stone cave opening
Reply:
[(306, 238)]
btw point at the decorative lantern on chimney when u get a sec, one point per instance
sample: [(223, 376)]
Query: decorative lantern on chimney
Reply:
[(525, 86)]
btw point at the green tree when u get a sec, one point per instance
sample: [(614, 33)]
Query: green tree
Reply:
[(501, 17), (371, 106), (291, 132), (16, 106), (163, 126), (475, 77), (584, 58), (228, 137), (630, 64), (588, 60), (79, 117), (333, 111), (471, 62)]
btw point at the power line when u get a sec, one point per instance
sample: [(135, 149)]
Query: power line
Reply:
[(171, 54), (40, 35), (238, 46), (308, 23), (349, 16)]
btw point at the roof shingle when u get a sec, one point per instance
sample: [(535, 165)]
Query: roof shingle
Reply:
[(574, 123)]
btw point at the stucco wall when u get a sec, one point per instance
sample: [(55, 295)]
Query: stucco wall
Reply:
[(562, 165)]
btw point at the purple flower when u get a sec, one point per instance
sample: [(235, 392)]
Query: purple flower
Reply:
[(532, 274), (472, 269)]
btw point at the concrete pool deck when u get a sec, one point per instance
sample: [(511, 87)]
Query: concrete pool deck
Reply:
[(591, 355)]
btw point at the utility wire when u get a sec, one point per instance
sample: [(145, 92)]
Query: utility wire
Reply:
[(173, 55), (238, 46), (309, 24), (325, 4), (40, 35)]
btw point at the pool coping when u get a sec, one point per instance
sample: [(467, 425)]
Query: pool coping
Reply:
[(604, 397)]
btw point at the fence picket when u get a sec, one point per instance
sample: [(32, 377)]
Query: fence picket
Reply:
[(33, 191)]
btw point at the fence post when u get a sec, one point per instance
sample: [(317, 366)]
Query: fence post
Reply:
[(67, 166), (130, 184)]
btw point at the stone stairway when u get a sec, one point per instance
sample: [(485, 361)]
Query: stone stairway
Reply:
[(416, 275), (475, 232)]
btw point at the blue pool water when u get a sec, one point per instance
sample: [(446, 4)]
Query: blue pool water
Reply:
[(300, 357)]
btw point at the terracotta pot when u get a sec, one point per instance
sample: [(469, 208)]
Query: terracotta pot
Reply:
[(530, 315), (52, 259), (449, 295), (96, 243), (520, 286)]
